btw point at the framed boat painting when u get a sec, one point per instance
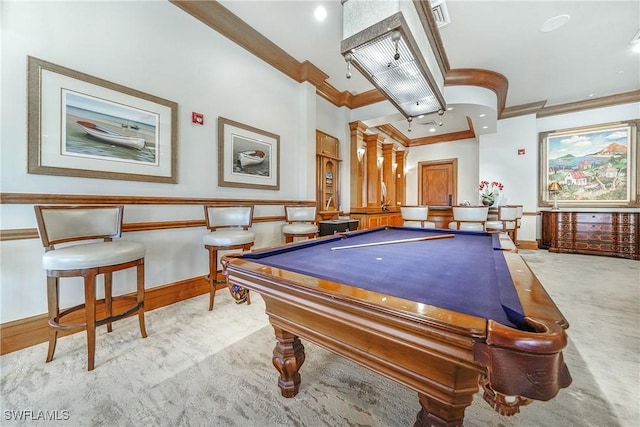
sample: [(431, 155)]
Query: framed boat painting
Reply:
[(593, 166), (247, 157), (81, 125)]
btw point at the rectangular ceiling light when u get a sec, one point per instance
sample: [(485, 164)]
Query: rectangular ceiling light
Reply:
[(388, 56)]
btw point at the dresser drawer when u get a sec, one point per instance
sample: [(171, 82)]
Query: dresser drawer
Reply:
[(593, 217)]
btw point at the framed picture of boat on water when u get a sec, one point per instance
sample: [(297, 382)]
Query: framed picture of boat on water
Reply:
[(247, 157), (593, 166), (84, 126)]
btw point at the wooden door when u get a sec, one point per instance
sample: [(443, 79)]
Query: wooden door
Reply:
[(437, 182)]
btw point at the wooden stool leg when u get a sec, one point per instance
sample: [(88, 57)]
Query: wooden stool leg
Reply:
[(140, 280), (54, 312), (90, 316), (108, 286), (213, 272)]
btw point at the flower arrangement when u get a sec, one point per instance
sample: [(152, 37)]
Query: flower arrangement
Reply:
[(490, 190)]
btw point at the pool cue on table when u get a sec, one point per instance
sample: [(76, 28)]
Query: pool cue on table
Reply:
[(391, 242)]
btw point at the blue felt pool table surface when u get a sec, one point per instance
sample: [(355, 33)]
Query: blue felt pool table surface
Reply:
[(465, 273)]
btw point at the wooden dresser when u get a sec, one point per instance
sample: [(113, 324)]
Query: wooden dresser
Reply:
[(595, 233)]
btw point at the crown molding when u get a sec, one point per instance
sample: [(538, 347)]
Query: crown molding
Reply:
[(220, 19), (604, 101)]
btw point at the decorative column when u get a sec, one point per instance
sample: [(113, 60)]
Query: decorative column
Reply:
[(373, 181), (387, 175), (400, 178), (357, 156)]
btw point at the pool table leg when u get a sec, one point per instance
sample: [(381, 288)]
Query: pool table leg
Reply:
[(288, 357), (435, 413)]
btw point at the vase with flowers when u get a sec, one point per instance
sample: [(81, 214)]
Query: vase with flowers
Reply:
[(489, 192)]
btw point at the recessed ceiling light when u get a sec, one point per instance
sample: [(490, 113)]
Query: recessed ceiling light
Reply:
[(482, 115), (591, 95), (449, 108), (320, 13), (554, 23), (485, 127), (432, 130)]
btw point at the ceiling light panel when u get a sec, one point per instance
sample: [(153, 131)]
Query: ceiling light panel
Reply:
[(396, 67)]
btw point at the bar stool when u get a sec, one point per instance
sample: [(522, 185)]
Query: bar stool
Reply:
[(470, 218), (301, 222), (228, 229), (416, 216), (507, 217), (519, 213), (71, 224)]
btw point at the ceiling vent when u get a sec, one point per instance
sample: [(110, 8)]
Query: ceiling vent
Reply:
[(440, 12)]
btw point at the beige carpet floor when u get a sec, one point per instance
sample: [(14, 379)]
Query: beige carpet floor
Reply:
[(201, 368)]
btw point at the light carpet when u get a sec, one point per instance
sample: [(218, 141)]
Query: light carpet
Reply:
[(200, 368)]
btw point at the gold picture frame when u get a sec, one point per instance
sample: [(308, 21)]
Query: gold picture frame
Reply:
[(247, 157), (595, 166), (83, 126)]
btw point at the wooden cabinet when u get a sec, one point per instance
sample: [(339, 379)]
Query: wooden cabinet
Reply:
[(328, 172), (595, 233), (369, 219)]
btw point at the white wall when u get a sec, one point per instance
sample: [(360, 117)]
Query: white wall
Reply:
[(466, 151), (156, 48), (499, 161), (495, 158)]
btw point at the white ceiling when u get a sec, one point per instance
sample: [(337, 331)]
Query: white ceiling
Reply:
[(590, 56)]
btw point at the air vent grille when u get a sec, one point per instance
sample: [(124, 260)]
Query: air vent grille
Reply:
[(440, 13)]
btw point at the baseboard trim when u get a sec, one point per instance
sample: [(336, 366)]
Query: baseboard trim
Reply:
[(30, 331), (34, 330), (528, 244)]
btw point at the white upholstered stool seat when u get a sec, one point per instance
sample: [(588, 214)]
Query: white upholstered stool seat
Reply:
[(228, 230), (92, 255), (301, 222), (299, 228), (416, 217), (229, 237), (75, 229)]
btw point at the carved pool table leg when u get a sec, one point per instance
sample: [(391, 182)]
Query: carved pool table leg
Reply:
[(435, 413), (288, 357)]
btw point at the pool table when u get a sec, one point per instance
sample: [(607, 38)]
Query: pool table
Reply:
[(443, 312)]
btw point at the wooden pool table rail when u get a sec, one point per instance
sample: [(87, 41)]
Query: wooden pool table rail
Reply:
[(441, 354)]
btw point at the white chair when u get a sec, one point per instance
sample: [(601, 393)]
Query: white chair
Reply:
[(507, 217), (301, 222), (84, 241), (416, 217), (470, 218), (228, 230)]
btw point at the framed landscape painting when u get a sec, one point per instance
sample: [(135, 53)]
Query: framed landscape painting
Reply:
[(80, 125), (594, 166), (247, 157)]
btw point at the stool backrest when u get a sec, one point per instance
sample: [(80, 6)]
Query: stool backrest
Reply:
[(470, 213), (507, 213), (414, 213), (60, 224), (228, 216), (300, 213)]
